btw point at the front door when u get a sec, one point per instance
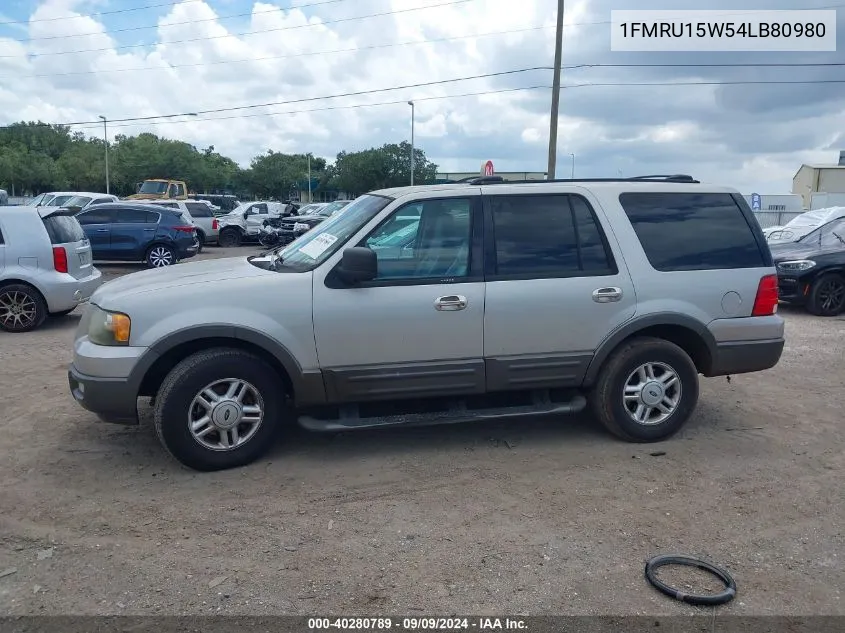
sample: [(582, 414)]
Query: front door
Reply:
[(555, 288), (97, 226), (255, 216), (130, 233), (417, 329)]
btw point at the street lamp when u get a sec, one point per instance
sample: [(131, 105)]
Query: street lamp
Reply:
[(106, 141), (573, 165), (411, 103)]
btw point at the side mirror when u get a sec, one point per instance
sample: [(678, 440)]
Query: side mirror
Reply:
[(358, 264)]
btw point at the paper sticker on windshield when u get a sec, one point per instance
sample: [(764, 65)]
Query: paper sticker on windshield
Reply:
[(318, 245)]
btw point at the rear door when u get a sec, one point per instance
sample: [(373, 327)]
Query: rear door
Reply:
[(202, 216), (131, 232), (556, 285), (66, 233), (96, 223)]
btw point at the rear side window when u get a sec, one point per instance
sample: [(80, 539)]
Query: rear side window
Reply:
[(199, 210), (692, 231), (63, 229), (152, 217), (548, 236), (95, 216)]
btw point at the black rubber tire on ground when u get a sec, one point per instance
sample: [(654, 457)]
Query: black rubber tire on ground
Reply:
[(229, 238), (184, 382), (62, 313), (155, 248), (819, 301), (22, 293), (200, 241), (606, 399)]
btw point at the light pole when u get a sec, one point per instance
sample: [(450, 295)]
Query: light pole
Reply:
[(555, 94), (106, 141), (573, 166), (309, 177), (411, 103)]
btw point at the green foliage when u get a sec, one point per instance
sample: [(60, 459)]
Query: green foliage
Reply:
[(35, 157)]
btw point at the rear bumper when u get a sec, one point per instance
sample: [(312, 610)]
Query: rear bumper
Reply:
[(114, 400), (741, 357), (65, 292)]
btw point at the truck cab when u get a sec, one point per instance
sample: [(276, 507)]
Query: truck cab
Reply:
[(161, 189)]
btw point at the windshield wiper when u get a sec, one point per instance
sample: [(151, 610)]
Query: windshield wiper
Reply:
[(836, 235)]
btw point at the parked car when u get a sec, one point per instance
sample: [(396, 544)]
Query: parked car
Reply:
[(79, 203), (803, 224), (244, 223), (224, 202), (200, 214), (519, 299), (46, 267), (139, 232), (294, 227), (811, 271), (4, 197), (61, 198), (311, 208)]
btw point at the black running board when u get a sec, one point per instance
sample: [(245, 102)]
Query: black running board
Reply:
[(453, 416)]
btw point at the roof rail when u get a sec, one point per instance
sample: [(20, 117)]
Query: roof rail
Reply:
[(491, 180)]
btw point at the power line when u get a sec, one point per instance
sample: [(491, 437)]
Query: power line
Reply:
[(274, 57), (273, 30), (97, 14), (155, 26)]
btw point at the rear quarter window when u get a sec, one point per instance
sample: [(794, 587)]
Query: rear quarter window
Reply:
[(692, 231), (63, 229), (199, 210)]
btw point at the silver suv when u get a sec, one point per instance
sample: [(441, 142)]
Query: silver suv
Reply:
[(502, 300), (45, 266)]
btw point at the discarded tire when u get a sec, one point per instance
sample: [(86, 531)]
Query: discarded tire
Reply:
[(661, 561)]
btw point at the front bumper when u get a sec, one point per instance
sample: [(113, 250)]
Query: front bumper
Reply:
[(741, 357), (67, 292), (792, 290), (114, 400)]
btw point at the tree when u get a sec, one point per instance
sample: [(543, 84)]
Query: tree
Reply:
[(379, 168)]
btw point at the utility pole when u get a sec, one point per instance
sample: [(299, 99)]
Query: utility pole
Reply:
[(309, 177), (573, 166), (106, 141), (555, 93), (411, 103)]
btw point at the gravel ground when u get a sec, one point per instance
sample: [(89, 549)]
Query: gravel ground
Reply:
[(541, 517)]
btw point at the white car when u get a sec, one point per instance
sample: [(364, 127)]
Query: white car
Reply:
[(200, 213), (88, 200), (61, 198), (244, 223), (800, 226)]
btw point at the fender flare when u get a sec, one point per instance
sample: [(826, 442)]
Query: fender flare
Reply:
[(638, 324)]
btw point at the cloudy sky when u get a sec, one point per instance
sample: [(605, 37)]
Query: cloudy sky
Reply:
[(71, 60)]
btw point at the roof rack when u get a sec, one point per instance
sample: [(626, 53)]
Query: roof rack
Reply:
[(674, 178)]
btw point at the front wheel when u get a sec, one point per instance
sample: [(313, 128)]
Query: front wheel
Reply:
[(160, 256), (646, 391), (229, 238), (219, 409), (827, 298)]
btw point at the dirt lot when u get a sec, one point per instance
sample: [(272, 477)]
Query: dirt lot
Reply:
[(541, 518)]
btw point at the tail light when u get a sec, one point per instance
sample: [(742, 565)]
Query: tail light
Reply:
[(60, 259), (184, 229), (766, 301), (214, 224)]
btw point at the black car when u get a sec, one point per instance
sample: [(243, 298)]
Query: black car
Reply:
[(294, 226), (138, 233), (811, 271)]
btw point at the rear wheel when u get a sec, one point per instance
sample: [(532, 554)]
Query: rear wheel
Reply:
[(22, 308), (646, 391), (200, 241), (827, 297), (219, 409), (229, 237), (160, 255)]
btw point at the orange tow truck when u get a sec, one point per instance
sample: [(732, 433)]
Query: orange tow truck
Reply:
[(161, 189)]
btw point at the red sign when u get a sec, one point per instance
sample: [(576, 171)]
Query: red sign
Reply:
[(487, 168)]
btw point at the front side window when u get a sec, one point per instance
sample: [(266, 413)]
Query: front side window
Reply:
[(199, 209), (692, 231), (830, 235), (424, 240)]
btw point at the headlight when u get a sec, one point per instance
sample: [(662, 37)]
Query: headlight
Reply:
[(797, 266), (301, 226), (108, 328)]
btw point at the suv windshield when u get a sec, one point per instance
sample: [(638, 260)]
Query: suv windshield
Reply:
[(329, 209), (314, 247), (151, 186), (77, 201), (58, 201)]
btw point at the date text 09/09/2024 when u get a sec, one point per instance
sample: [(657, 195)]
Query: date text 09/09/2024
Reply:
[(417, 624), (723, 29)]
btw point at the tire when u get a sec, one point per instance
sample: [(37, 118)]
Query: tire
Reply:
[(200, 241), (62, 313), (176, 405), (229, 238), (615, 410), (160, 256), (22, 308), (827, 296)]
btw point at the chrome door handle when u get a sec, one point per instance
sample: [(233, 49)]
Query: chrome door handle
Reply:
[(450, 303), (149, 229), (102, 230), (607, 295)]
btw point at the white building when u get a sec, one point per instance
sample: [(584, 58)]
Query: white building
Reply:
[(810, 179)]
